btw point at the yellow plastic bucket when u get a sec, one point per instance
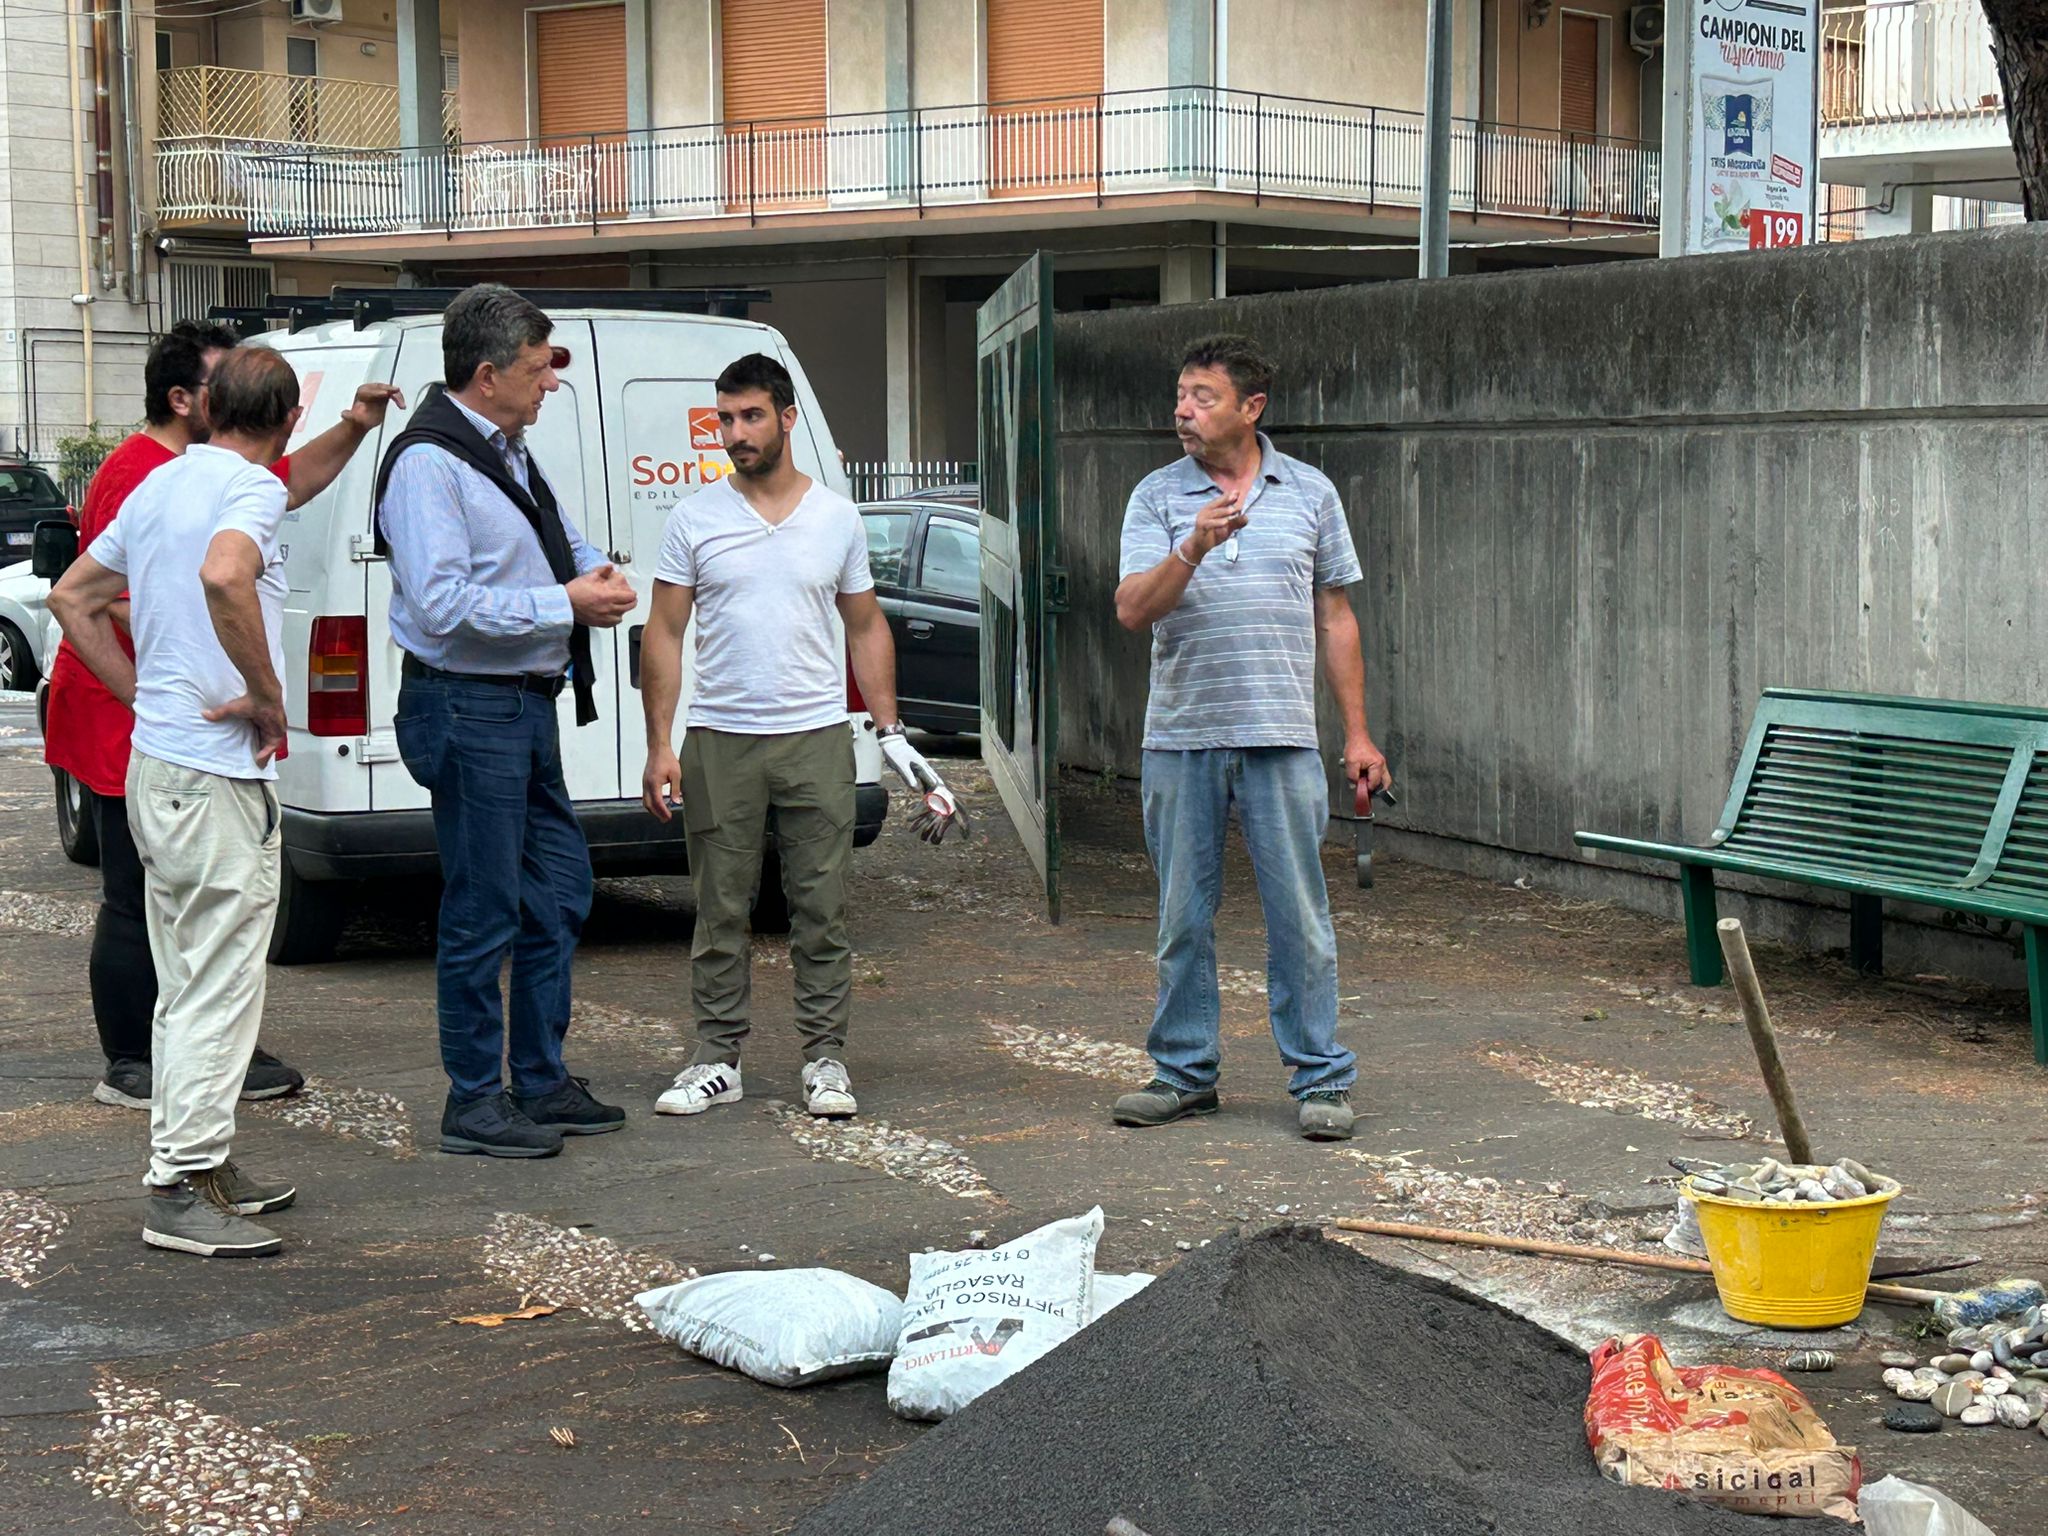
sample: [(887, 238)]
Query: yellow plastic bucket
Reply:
[(1804, 1265)]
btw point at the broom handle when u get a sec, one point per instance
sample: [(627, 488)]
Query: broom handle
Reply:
[(1546, 1249), (1757, 1015)]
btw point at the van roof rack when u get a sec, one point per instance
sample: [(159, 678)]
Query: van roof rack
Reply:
[(366, 306)]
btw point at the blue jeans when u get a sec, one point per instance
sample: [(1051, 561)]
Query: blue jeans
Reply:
[(1283, 801), (516, 875)]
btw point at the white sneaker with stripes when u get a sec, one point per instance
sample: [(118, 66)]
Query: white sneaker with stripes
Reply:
[(698, 1088), (828, 1091)]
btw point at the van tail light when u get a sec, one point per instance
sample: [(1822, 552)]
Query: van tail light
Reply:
[(855, 704), (72, 513), (338, 677)]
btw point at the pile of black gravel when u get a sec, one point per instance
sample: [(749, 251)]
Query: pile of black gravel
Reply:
[(1277, 1384)]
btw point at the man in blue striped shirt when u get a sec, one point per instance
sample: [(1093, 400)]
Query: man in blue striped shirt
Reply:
[(1237, 557)]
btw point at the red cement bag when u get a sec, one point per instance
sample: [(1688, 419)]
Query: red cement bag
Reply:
[(1748, 1440)]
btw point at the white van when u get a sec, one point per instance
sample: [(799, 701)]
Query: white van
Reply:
[(632, 431)]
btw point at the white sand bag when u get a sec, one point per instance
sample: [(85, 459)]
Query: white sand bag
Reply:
[(1114, 1290), (787, 1327), (973, 1319)]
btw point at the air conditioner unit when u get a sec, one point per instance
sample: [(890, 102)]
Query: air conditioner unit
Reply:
[(316, 11), (1645, 28)]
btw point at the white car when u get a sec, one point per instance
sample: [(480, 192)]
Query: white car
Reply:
[(28, 635)]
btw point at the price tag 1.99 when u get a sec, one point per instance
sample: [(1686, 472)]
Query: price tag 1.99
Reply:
[(1767, 229)]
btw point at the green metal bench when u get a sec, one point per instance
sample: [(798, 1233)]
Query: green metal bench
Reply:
[(1922, 800)]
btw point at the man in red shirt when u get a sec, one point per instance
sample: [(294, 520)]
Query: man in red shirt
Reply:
[(87, 731)]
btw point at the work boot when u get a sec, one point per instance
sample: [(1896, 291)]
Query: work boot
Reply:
[(128, 1084), (571, 1110), (249, 1196), (1326, 1115), (196, 1215), (269, 1078), (495, 1127), (828, 1091), (698, 1087), (1159, 1103)]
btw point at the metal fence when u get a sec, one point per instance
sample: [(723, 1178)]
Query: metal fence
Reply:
[(1903, 61), (211, 121), (1097, 147), (879, 481)]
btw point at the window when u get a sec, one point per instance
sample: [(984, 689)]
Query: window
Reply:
[(952, 559), (1579, 75), (888, 540), (21, 483), (163, 50), (301, 57)]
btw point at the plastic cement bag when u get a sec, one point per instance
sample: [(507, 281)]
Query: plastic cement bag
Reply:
[(1114, 1290), (1745, 1439), (1894, 1507), (974, 1319), (787, 1327)]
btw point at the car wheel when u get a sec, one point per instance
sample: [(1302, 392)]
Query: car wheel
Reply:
[(78, 828), (771, 906), (18, 673), (310, 915)]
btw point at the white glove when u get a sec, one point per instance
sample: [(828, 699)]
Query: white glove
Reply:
[(940, 812)]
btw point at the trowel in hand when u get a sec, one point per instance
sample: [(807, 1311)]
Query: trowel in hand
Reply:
[(1361, 829)]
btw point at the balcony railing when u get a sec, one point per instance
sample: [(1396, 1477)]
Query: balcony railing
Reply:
[(1907, 61), (210, 121), (1099, 147)]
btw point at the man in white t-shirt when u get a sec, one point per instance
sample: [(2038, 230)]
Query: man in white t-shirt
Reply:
[(196, 547), (766, 559)]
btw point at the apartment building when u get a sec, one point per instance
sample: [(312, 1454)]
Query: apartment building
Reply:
[(1913, 131), (880, 165), (877, 165)]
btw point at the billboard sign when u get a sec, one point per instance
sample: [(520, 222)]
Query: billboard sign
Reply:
[(1752, 140)]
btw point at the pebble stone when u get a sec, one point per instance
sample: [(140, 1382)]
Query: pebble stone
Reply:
[(1993, 1388), (1950, 1364), (2013, 1412), (1896, 1378), (1912, 1419), (1899, 1358), (1978, 1413), (1915, 1390), (1982, 1360), (1951, 1398)]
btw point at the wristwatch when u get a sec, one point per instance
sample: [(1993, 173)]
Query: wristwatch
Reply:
[(890, 730)]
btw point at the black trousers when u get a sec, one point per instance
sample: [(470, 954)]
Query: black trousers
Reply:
[(122, 972)]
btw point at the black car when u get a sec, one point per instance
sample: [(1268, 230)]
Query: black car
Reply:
[(926, 560), (27, 496)]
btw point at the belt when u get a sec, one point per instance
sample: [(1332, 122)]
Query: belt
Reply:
[(547, 684)]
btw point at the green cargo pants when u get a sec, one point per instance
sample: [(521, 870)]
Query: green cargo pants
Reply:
[(736, 791)]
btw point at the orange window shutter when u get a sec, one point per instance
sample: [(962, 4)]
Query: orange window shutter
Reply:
[(1578, 107), (580, 70), (772, 59), (1044, 49)]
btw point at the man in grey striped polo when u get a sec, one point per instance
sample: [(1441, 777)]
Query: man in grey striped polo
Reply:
[(1237, 557)]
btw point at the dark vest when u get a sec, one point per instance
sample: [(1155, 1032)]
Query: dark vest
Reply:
[(440, 422)]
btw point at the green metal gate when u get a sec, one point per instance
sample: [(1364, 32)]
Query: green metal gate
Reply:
[(1023, 586)]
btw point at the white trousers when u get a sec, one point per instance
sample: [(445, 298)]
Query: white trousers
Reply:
[(210, 848)]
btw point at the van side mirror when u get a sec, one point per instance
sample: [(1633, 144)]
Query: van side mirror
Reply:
[(55, 547)]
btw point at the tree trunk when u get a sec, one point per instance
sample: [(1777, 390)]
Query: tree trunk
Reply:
[(2019, 41)]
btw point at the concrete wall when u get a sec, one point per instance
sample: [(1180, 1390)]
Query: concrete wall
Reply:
[(41, 361), (1342, 50), (683, 39), (492, 48), (1526, 63), (948, 54), (1600, 509)]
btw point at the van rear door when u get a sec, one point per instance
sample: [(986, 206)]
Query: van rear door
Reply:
[(568, 419)]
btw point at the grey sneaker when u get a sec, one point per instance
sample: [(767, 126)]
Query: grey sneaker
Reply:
[(828, 1091), (128, 1084), (195, 1215), (1159, 1103), (1326, 1115), (247, 1196)]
